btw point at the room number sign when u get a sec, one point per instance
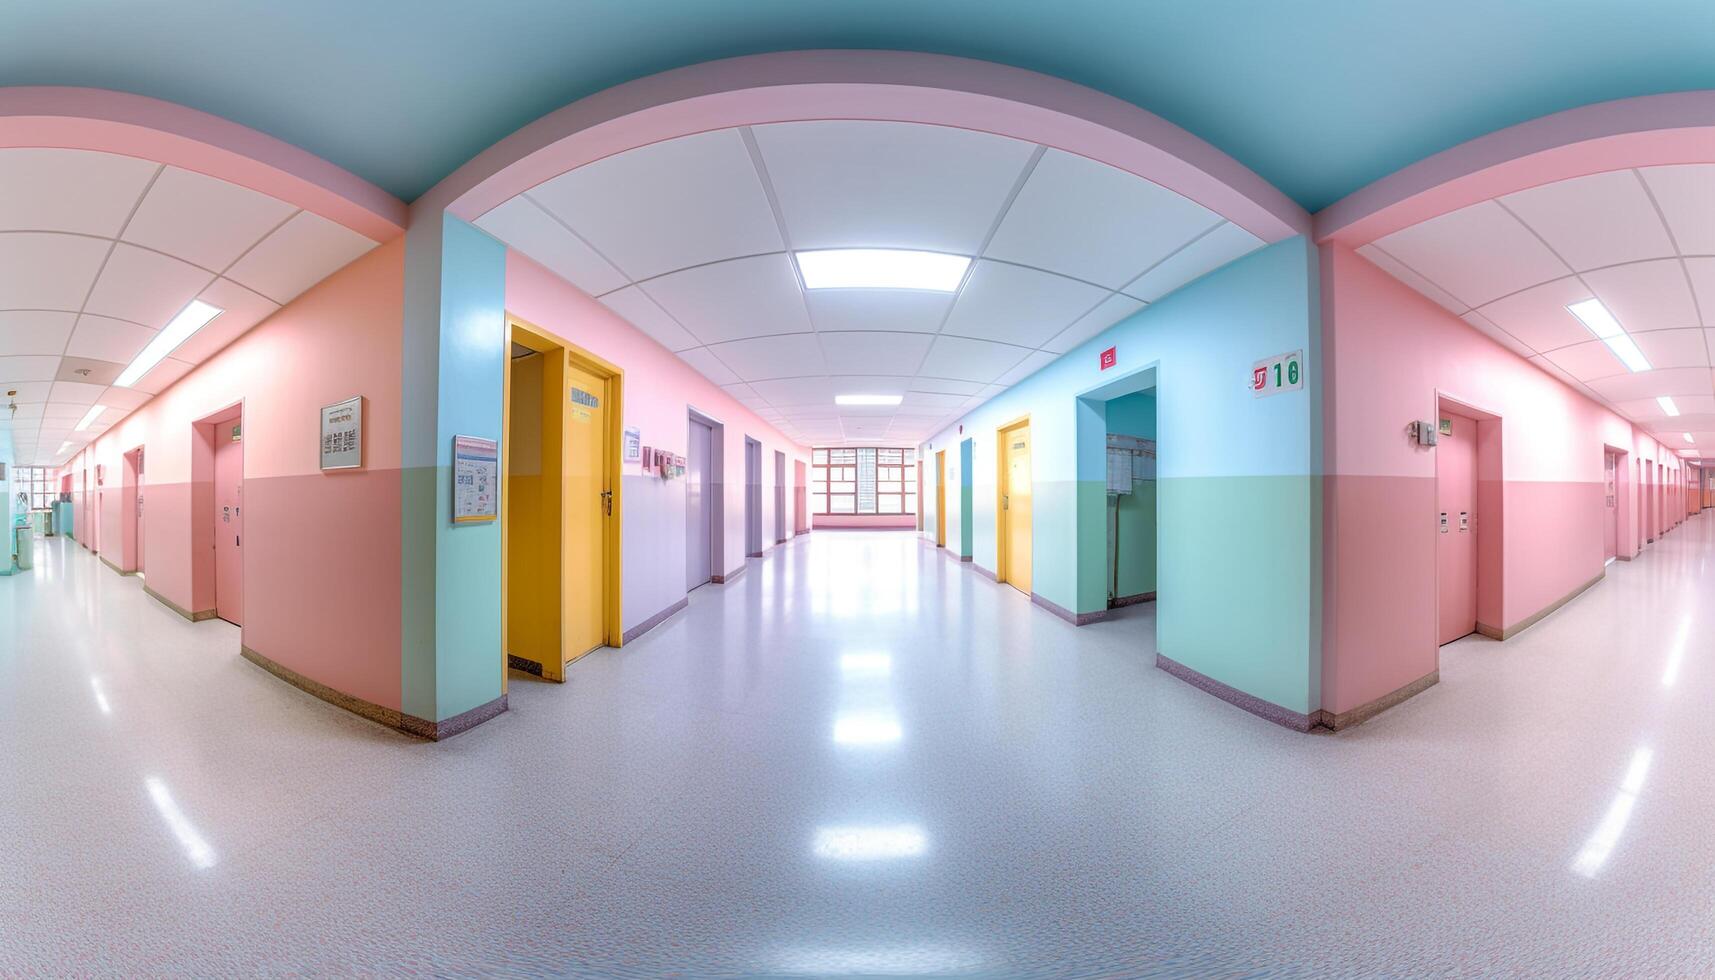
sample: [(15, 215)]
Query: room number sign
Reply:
[(1273, 375)]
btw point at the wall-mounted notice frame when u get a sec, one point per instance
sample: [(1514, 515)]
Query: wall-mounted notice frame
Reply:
[(342, 435), (633, 444), (476, 479), (1273, 375)]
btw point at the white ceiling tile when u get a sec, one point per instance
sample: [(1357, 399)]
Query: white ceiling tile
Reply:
[(872, 352), (644, 314), (299, 254), (795, 393), (1686, 195), (1602, 219), (845, 184), (163, 375), (1691, 405), (1109, 312), (125, 398), (1016, 305), (1034, 362), (1393, 267), (1197, 259), (1646, 295), (34, 332), (704, 188), (773, 357), (911, 310), (1094, 222), (970, 360), (1539, 318), (28, 392), (927, 403), (69, 190), (144, 287), (203, 220), (29, 368), (946, 386), (1587, 361), (1488, 328), (525, 226), (65, 412), (1674, 348), (74, 393), (751, 297), (46, 271), (106, 339), (1651, 384), (1641, 409), (1478, 254), (709, 366), (240, 308), (1702, 273)]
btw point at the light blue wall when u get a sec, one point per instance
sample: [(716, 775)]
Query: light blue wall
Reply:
[(454, 364)]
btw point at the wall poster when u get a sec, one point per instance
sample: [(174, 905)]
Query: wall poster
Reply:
[(476, 479), (342, 435)]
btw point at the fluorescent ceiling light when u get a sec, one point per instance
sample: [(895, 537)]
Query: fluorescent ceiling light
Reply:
[(881, 268), (868, 399), (190, 319), (1688, 438), (1667, 405), (1596, 317), (90, 416)]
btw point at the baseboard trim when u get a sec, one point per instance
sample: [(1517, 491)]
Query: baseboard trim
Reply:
[(116, 568), (985, 573), (1076, 619), (964, 558), (195, 617), (753, 554), (1120, 602), (1519, 627), (801, 531), (728, 577), (1364, 712), (1266, 710), (390, 717), (523, 664), (654, 621)]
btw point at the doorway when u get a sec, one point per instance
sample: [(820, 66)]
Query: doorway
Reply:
[(752, 498), (1610, 506), (941, 499), (131, 516), (966, 487), (1013, 540), (1456, 535), (800, 499), (217, 477), (561, 516), (779, 497), (700, 502)]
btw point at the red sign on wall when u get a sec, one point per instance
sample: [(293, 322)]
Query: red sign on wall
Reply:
[(1110, 357)]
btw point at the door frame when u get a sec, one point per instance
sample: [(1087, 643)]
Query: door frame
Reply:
[(753, 495), (203, 447), (940, 498), (1491, 516), (613, 377), (716, 488), (780, 484), (1002, 545)]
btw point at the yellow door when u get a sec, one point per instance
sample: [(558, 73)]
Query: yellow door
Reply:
[(587, 503), (941, 499), (1015, 504)]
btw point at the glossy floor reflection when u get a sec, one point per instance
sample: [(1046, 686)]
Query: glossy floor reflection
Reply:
[(860, 758)]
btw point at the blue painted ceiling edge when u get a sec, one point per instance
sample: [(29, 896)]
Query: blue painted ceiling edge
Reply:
[(1319, 98)]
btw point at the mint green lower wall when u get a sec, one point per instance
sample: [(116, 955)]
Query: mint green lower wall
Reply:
[(1135, 540)]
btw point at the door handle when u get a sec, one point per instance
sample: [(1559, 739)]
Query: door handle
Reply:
[(607, 503), (1005, 502)]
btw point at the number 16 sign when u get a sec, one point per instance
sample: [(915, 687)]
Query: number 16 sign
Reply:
[(1273, 375)]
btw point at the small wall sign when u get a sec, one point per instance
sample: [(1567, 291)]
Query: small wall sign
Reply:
[(1446, 427), (1110, 357), (1273, 375), (476, 479), (633, 445), (342, 435)]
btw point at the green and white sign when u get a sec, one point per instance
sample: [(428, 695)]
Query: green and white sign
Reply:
[(1273, 375)]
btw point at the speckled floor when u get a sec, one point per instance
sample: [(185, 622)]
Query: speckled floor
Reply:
[(860, 758)]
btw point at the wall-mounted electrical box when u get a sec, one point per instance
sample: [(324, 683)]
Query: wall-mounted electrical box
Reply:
[(1129, 459), (1423, 432)]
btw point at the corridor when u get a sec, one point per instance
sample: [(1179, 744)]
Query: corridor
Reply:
[(859, 757)]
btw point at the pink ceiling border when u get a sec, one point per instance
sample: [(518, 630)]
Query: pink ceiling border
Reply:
[(1647, 131), (138, 126), (892, 86)]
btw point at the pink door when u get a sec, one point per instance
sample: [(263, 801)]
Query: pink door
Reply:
[(228, 525), (1455, 528), (1611, 511)]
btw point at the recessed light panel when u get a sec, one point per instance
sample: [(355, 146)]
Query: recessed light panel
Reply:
[(1667, 405), (881, 268), (1600, 322), (190, 319), (868, 399)]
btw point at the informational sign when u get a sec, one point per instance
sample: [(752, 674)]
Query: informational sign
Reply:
[(1446, 427), (633, 445), (582, 404), (1110, 357), (342, 435), (238, 432), (1273, 375), (476, 479)]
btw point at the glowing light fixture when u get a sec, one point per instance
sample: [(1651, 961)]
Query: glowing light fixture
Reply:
[(190, 841), (190, 319), (1688, 438), (1600, 322), (868, 399), (90, 416), (1667, 405), (871, 843), (881, 268)]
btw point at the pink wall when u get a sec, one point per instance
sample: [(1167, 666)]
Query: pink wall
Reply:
[(1389, 354), (659, 390), (321, 551)]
